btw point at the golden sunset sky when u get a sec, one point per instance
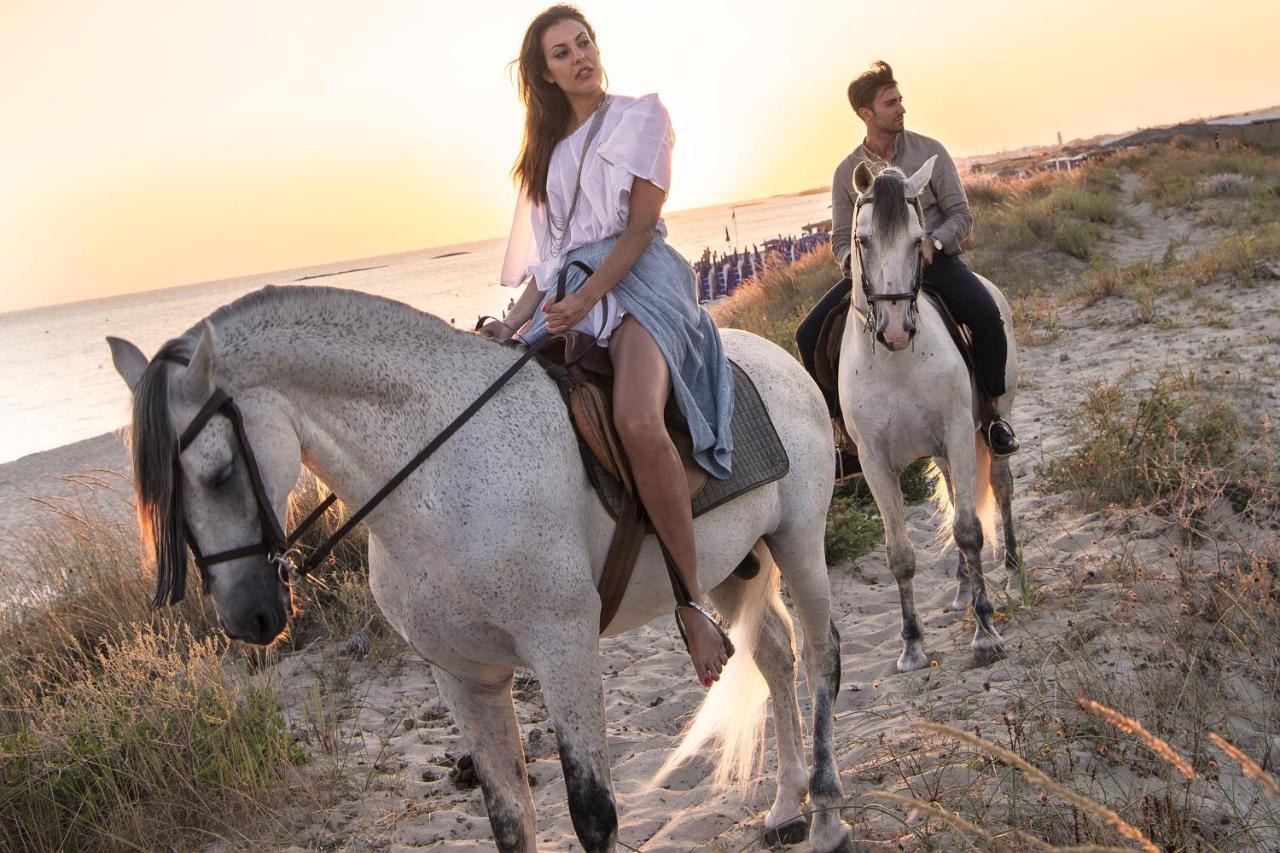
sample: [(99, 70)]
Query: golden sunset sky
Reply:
[(152, 144)]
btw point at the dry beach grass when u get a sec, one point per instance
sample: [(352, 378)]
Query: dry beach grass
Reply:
[(1137, 706)]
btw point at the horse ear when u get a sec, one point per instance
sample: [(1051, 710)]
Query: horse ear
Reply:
[(196, 382), (917, 182), (129, 361), (862, 177)]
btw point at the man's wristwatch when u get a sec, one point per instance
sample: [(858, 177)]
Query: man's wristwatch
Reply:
[(937, 244)]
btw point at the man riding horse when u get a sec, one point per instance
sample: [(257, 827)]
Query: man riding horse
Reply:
[(875, 97)]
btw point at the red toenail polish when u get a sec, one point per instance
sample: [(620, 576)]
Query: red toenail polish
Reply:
[(706, 681)]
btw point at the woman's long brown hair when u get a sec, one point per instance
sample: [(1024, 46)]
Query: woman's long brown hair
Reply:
[(547, 111)]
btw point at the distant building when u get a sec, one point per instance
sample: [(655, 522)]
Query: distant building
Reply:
[(1253, 128)]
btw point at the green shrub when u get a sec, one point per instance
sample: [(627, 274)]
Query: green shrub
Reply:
[(1076, 239), (1146, 446), (854, 525)]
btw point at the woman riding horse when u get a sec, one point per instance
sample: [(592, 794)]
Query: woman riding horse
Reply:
[(594, 170)]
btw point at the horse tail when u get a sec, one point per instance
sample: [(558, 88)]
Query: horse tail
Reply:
[(984, 495), (944, 508), (984, 498), (732, 714)]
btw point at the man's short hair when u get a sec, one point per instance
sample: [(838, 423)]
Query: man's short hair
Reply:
[(865, 87)]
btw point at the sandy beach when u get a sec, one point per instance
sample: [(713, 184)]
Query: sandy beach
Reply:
[(59, 477), (398, 740)]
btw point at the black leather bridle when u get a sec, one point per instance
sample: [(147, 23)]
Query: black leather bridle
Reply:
[(282, 550), (872, 298)]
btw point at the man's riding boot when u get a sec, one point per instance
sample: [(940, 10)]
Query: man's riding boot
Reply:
[(1001, 440)]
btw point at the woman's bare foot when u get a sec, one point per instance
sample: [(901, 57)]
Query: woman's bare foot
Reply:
[(708, 648)]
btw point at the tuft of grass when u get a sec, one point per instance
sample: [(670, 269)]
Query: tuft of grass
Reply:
[(1185, 174), (1144, 446), (124, 728), (143, 741), (1076, 239), (1228, 185), (1031, 233)]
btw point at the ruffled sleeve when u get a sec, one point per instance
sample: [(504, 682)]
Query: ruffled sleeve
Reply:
[(641, 142), (522, 248)]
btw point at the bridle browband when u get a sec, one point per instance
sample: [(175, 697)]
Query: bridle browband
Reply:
[(872, 298), (282, 550)]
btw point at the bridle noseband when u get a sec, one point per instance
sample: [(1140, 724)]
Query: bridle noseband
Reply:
[(872, 298)]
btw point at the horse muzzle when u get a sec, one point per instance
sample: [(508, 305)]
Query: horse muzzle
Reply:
[(257, 610)]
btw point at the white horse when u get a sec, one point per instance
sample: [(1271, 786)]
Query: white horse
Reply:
[(906, 393), (487, 557)]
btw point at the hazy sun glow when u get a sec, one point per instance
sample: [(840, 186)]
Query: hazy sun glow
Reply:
[(154, 144)]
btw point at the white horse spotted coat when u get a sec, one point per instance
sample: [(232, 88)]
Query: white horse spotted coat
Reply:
[(487, 557)]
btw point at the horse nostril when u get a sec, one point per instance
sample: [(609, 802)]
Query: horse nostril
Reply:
[(262, 627)]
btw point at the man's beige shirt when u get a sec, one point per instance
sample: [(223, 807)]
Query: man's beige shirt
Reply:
[(943, 202)]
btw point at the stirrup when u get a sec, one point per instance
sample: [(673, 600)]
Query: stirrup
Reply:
[(1017, 445), (715, 620)]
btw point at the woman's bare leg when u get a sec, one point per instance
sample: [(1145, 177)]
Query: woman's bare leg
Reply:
[(641, 385)]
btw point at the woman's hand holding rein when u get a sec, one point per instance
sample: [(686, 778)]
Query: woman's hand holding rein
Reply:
[(645, 209)]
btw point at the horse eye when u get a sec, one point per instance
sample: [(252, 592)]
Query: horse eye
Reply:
[(223, 475)]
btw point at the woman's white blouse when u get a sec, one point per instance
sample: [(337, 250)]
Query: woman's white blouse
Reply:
[(634, 141)]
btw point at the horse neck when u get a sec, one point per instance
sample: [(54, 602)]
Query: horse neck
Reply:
[(365, 381)]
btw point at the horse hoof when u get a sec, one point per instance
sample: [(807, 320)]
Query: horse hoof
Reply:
[(791, 832), (845, 845), (987, 649), (911, 661), (958, 604)]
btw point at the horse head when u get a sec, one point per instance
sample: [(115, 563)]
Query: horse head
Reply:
[(211, 474), (888, 228)]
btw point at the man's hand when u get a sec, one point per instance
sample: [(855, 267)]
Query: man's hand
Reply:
[(926, 249), (565, 314)]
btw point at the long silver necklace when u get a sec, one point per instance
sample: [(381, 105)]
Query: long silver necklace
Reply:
[(558, 228)]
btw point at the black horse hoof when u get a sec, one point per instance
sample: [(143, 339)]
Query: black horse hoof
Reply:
[(463, 773)]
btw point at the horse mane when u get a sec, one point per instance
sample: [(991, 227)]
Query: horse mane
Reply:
[(890, 213), (154, 444)]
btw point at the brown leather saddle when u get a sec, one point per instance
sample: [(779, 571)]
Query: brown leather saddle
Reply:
[(584, 373), (826, 356)]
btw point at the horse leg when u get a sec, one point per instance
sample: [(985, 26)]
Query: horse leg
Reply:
[(798, 549), (567, 662), (487, 719), (1002, 483), (967, 531), (964, 591), (887, 491), (775, 655)]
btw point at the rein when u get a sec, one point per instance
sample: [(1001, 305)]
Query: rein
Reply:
[(282, 551)]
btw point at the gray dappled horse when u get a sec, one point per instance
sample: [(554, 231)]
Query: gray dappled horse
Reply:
[(906, 393), (487, 558)]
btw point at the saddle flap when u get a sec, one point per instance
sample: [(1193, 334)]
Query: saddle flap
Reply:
[(592, 416), (826, 356)]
